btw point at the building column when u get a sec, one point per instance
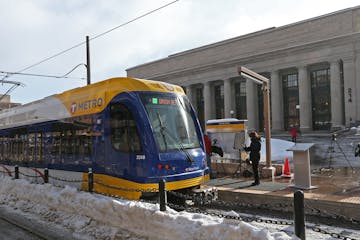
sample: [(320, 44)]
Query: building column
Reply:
[(252, 106), (349, 91), (189, 93), (228, 98), (277, 109), (207, 101), (305, 99), (357, 86), (336, 96)]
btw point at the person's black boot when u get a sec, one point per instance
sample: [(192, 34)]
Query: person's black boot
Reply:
[(255, 183)]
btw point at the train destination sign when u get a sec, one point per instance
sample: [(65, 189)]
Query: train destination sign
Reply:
[(163, 101)]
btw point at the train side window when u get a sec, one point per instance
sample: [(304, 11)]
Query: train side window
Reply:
[(31, 147), (124, 132)]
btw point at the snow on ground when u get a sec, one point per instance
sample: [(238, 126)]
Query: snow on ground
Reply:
[(356, 130), (93, 216), (278, 150)]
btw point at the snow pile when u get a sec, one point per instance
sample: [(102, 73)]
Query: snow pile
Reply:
[(278, 150), (93, 216), (355, 130)]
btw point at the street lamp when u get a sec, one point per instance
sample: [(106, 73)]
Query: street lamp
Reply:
[(232, 113), (257, 78)]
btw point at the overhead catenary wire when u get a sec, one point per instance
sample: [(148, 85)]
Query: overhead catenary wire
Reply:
[(90, 39), (14, 85), (133, 20), (4, 73), (8, 91)]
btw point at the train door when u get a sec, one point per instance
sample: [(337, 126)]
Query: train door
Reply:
[(124, 142)]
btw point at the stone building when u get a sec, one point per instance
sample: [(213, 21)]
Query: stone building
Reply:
[(313, 67), (6, 103)]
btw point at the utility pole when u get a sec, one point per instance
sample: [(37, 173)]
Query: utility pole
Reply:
[(257, 78), (88, 74)]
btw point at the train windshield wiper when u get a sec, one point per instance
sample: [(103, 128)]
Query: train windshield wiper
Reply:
[(165, 132), (162, 129)]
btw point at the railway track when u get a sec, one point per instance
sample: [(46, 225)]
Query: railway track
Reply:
[(20, 227), (10, 230)]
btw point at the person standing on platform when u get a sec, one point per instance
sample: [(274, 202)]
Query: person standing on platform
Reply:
[(254, 149), (207, 141), (293, 134)]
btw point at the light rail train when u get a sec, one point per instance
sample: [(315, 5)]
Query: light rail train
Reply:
[(130, 132)]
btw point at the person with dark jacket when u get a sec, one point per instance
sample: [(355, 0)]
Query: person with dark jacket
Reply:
[(207, 142), (254, 149), (293, 134)]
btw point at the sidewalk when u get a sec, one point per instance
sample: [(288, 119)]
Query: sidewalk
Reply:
[(337, 194)]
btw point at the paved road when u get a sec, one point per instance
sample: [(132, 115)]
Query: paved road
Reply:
[(9, 231)]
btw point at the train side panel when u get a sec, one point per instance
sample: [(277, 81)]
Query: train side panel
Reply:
[(70, 133)]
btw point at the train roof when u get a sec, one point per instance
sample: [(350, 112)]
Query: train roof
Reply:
[(124, 84), (79, 101)]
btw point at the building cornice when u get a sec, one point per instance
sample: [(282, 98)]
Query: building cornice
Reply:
[(244, 37), (263, 56)]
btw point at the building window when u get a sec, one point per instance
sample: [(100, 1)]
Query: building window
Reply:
[(321, 99), (240, 99), (291, 100), (291, 80), (219, 101)]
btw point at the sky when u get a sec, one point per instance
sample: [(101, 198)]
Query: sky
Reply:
[(32, 30)]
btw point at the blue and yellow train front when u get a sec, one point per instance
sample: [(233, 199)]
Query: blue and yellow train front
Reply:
[(151, 136)]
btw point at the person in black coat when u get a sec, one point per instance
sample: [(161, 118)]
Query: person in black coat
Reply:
[(254, 149)]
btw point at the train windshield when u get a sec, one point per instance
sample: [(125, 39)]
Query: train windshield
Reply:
[(171, 121)]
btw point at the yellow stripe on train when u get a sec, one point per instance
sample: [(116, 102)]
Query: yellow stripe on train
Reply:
[(95, 97), (131, 190), (225, 127)]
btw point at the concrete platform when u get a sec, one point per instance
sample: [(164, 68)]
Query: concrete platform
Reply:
[(337, 195)]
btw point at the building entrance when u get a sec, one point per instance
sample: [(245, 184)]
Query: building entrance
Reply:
[(291, 100), (320, 98)]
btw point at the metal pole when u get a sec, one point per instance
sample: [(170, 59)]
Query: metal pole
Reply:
[(299, 214), (46, 175), (162, 195), (88, 74), (90, 181), (259, 79), (266, 96), (16, 172)]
